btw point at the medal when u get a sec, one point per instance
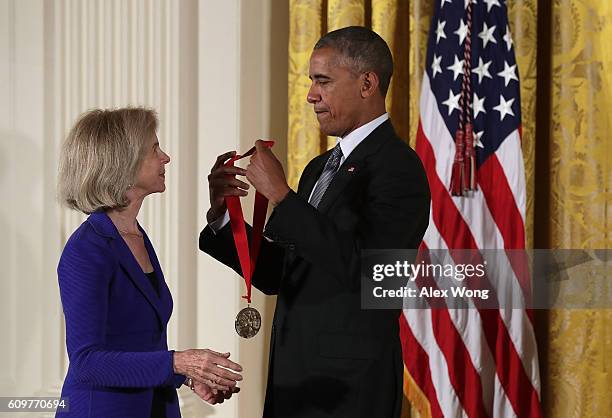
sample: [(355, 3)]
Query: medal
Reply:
[(248, 322)]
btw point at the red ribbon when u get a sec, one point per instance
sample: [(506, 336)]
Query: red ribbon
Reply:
[(247, 257)]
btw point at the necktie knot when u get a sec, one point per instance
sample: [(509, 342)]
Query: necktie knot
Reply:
[(331, 166), (335, 157)]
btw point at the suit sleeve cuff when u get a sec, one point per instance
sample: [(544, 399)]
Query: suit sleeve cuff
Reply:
[(175, 379), (179, 379)]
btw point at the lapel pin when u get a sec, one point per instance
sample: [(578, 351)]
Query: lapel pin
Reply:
[(351, 169)]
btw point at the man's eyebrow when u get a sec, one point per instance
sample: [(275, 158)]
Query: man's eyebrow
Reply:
[(319, 77)]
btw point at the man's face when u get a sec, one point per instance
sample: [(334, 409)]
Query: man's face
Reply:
[(334, 92)]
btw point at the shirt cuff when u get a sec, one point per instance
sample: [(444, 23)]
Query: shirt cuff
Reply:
[(220, 222)]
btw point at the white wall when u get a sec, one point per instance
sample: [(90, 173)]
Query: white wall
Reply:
[(216, 73)]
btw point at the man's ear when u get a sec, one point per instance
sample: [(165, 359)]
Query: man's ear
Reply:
[(369, 84)]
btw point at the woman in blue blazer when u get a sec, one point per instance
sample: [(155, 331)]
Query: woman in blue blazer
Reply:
[(115, 300)]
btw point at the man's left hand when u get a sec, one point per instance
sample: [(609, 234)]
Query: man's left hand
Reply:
[(205, 392), (213, 396), (266, 174)]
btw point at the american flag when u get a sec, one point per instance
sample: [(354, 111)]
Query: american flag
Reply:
[(472, 362)]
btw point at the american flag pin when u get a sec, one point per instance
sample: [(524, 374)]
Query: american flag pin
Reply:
[(351, 169)]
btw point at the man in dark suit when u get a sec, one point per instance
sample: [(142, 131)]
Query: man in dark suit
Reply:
[(329, 357)]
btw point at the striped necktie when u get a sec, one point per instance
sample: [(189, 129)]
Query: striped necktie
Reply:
[(330, 169)]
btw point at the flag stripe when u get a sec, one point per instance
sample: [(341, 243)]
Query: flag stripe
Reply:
[(450, 219), (522, 334), (482, 362), (449, 222), (447, 398), (445, 214), (500, 200), (417, 363), (522, 395), (502, 203), (467, 322), (510, 158), (461, 370)]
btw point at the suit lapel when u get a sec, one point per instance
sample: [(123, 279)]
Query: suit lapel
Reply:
[(346, 173), (164, 300), (355, 164), (104, 226)]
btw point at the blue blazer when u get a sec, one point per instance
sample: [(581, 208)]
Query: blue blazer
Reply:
[(115, 327)]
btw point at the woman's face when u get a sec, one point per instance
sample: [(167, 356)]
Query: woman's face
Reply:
[(151, 175)]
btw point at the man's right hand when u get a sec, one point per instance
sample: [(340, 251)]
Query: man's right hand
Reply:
[(222, 182)]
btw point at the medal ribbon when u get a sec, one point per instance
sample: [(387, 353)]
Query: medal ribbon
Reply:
[(247, 257)]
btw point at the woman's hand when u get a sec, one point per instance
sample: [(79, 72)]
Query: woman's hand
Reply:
[(208, 367)]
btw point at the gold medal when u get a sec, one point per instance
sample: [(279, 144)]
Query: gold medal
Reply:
[(248, 322)]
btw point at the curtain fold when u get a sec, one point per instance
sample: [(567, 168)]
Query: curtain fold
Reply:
[(575, 345), (303, 139), (340, 14), (523, 18)]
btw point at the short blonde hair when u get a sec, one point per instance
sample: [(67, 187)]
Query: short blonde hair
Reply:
[(101, 155)]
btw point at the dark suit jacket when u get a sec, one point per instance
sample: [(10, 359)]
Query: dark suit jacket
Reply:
[(115, 327), (328, 357)]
